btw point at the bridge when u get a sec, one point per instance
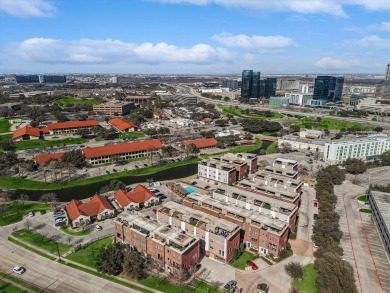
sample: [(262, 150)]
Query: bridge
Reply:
[(267, 138)]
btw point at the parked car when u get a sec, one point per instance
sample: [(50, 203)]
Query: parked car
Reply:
[(31, 214), (19, 270), (252, 265), (60, 219), (107, 172), (230, 285), (59, 224), (98, 228), (154, 211)]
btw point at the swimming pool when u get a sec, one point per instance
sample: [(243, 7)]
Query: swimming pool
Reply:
[(190, 189)]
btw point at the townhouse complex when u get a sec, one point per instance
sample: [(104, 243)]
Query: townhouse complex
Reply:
[(228, 168)]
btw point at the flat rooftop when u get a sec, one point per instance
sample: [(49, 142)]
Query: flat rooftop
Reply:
[(275, 203), (247, 214), (270, 190), (258, 175), (382, 200), (286, 161), (156, 230), (211, 222)]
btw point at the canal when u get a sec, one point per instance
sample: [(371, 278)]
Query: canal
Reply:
[(85, 191)]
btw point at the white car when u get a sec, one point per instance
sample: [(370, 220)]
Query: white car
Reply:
[(98, 228), (19, 270)]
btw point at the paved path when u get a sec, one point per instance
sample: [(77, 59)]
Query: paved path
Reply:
[(353, 242)]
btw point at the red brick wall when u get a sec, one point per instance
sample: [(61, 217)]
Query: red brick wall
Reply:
[(232, 243), (156, 250), (254, 165), (232, 177)]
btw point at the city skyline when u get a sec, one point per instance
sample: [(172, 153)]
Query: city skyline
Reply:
[(194, 37)]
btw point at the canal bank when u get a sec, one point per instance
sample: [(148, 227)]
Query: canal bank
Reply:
[(66, 194)]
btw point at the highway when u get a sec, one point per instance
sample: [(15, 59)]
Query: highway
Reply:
[(294, 113)]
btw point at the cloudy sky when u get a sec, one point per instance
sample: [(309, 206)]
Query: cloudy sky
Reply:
[(194, 36)]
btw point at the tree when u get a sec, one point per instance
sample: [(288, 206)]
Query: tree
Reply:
[(378, 129), (294, 128), (338, 135), (192, 148), (23, 198), (385, 158), (8, 159), (84, 133), (75, 158), (133, 264), (111, 258), (355, 166), (260, 125), (285, 147), (294, 270)]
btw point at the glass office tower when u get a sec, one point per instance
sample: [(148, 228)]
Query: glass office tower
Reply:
[(328, 88), (250, 85)]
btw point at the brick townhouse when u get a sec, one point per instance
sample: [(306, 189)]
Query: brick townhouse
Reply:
[(260, 203), (165, 246), (218, 237), (260, 232)]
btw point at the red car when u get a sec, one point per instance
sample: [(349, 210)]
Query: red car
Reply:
[(252, 265)]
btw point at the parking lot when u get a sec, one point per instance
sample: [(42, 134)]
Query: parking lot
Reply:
[(354, 242)]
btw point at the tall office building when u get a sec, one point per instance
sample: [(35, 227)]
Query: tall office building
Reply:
[(34, 78), (268, 87), (27, 78), (328, 88), (231, 84), (387, 77), (250, 85)]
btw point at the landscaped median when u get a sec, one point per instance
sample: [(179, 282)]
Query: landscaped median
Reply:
[(10, 284), (10, 182)]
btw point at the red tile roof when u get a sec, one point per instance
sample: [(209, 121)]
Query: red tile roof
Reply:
[(156, 114), (95, 206), (122, 124), (26, 130), (139, 194), (72, 124), (201, 143), (42, 159), (121, 148)]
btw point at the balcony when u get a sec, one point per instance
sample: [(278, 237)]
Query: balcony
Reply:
[(220, 191), (266, 206), (235, 195), (194, 222)]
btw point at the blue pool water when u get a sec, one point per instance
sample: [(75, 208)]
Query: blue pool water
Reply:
[(190, 189)]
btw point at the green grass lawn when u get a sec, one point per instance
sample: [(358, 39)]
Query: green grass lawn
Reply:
[(241, 113), (330, 124), (5, 137), (4, 125), (363, 198), (308, 283), (239, 149), (41, 241), (33, 144), (131, 135), (71, 100), (367, 211), (165, 286), (15, 211), (28, 184), (240, 263), (70, 231), (272, 148), (89, 255), (30, 248), (9, 288)]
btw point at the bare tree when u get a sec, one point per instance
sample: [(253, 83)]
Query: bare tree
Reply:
[(23, 198)]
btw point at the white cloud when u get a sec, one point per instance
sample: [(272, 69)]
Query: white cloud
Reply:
[(333, 7), (87, 51), (329, 63), (252, 42), (383, 26), (27, 8), (374, 41)]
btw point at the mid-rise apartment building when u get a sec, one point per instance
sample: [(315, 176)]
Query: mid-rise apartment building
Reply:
[(271, 207), (285, 167), (218, 237), (228, 168), (166, 247), (366, 149), (114, 108), (260, 232)]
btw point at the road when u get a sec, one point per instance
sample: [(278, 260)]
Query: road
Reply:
[(295, 113)]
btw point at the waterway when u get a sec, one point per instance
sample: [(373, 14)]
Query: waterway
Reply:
[(85, 191)]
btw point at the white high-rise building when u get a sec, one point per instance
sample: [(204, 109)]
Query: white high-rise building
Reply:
[(366, 149)]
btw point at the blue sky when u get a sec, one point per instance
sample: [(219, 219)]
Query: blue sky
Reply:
[(194, 36)]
